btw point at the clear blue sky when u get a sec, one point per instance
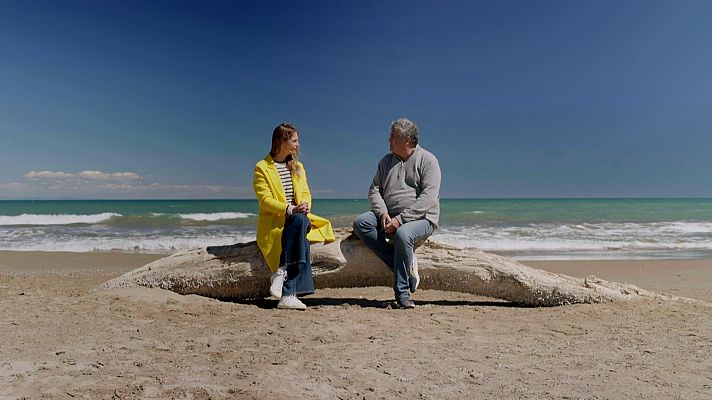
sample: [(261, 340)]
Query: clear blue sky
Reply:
[(177, 99)]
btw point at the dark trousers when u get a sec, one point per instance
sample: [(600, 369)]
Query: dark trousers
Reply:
[(295, 255)]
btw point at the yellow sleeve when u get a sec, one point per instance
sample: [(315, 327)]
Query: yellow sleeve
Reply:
[(264, 195)]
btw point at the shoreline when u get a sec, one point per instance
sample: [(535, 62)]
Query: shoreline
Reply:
[(687, 278), (63, 261)]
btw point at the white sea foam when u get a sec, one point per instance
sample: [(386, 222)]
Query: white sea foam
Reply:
[(216, 216), (129, 243), (690, 227), (591, 239), (55, 219), (677, 239)]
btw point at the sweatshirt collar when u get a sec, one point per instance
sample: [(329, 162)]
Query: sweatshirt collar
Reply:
[(415, 150)]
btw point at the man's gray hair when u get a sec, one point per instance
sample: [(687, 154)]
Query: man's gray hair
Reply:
[(407, 128)]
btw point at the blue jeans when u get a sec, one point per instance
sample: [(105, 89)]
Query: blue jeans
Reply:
[(295, 255), (398, 254)]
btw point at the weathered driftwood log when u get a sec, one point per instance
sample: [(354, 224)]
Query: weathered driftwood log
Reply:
[(239, 272)]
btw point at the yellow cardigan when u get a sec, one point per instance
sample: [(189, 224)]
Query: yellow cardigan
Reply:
[(273, 208)]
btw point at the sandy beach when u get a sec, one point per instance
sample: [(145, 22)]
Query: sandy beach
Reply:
[(62, 341)]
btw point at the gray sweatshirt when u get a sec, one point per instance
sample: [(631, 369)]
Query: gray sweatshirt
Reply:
[(408, 190)]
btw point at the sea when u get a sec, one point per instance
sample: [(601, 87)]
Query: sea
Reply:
[(531, 229)]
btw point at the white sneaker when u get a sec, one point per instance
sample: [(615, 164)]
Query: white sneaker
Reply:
[(276, 282), (414, 279), (291, 302)]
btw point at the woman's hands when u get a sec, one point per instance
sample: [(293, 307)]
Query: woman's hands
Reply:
[(302, 207)]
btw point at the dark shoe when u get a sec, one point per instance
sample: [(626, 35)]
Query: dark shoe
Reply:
[(407, 303)]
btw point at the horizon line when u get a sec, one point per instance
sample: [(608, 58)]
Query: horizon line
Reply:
[(366, 199)]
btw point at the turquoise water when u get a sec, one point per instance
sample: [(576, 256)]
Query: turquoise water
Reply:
[(507, 211), (523, 228)]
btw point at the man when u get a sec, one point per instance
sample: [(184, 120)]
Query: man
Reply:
[(405, 207)]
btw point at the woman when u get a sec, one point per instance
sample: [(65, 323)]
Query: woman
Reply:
[(285, 224)]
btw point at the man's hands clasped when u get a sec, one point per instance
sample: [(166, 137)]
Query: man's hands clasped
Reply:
[(390, 225)]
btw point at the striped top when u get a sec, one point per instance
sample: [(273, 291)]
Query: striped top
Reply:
[(286, 177)]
